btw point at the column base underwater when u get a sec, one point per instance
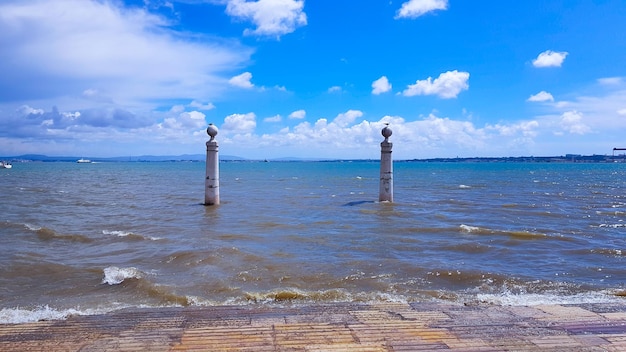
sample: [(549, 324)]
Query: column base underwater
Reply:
[(386, 168), (212, 181)]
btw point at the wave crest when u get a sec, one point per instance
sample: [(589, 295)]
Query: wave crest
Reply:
[(115, 276), (21, 316), (129, 235)]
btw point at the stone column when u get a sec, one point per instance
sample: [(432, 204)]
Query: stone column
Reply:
[(386, 168), (212, 182)]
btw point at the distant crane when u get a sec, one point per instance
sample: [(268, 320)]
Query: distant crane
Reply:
[(614, 149)]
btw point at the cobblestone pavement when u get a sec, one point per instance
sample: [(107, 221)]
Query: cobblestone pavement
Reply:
[(331, 327)]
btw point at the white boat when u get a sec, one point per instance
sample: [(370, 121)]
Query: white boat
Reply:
[(83, 161), (5, 165)]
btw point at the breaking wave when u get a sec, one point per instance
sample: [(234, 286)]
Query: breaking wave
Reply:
[(130, 235), (22, 315), (115, 276)]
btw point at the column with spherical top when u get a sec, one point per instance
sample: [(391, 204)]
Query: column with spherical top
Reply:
[(386, 168), (212, 182)]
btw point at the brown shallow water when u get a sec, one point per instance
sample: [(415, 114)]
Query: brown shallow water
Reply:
[(96, 237)]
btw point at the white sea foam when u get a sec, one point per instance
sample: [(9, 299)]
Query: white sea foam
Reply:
[(115, 276), (128, 233), (32, 227), (21, 315), (533, 299), (464, 186), (469, 229), (612, 225), (117, 233)]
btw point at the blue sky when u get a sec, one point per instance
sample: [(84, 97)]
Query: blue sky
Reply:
[(294, 78)]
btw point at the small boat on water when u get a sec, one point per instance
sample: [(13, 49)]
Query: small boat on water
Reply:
[(83, 161), (5, 165)]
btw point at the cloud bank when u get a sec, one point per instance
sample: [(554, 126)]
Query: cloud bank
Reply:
[(99, 52)]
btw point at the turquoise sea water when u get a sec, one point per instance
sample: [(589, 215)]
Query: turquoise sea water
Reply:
[(85, 238)]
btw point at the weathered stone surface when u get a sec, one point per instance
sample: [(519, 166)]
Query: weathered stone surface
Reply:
[(331, 327)]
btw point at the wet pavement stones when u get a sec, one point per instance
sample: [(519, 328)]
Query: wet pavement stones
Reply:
[(331, 327)]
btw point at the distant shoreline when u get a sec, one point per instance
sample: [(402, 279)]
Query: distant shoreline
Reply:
[(540, 159), (576, 158)]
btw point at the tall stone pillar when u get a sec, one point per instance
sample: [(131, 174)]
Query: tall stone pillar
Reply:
[(212, 182), (386, 168)]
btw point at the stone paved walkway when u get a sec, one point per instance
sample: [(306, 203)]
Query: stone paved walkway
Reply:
[(333, 327)]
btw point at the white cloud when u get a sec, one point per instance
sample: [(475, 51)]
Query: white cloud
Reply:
[(240, 123), (108, 52), (344, 136), (185, 121), (381, 85), (275, 118), (26, 110), (177, 109), (107, 67), (541, 96), (447, 85), (298, 114), (600, 110), (198, 105), (431, 136), (524, 128), (417, 8), (335, 89), (611, 81), (346, 133), (90, 92), (437, 132), (314, 139), (271, 17), (95, 95), (242, 81), (572, 122), (347, 118), (195, 116), (71, 115), (550, 58)]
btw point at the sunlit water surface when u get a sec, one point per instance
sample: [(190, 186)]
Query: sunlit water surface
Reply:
[(85, 238)]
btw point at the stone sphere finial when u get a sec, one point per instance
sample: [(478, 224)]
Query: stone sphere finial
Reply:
[(386, 132), (212, 131)]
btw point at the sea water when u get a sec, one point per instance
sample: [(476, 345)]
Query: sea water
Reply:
[(90, 238)]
